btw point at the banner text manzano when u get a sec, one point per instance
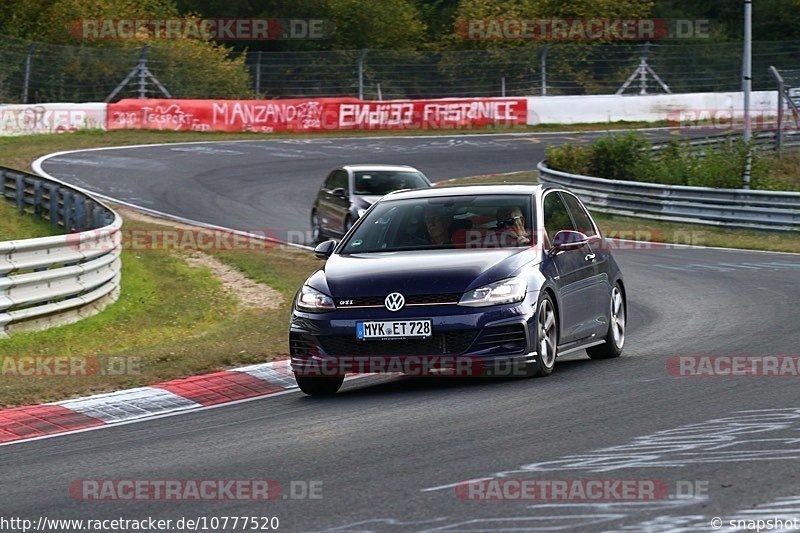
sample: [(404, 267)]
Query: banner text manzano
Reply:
[(319, 114)]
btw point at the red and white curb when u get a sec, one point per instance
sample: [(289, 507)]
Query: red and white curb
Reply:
[(177, 395)]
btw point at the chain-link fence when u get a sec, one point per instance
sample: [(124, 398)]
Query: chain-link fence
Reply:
[(35, 73)]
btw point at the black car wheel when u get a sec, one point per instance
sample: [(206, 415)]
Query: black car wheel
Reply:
[(546, 339), (319, 385), (615, 337), (316, 228)]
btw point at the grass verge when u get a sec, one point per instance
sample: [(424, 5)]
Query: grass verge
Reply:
[(16, 226), (171, 320)]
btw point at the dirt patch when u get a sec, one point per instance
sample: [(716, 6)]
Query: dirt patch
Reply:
[(250, 294)]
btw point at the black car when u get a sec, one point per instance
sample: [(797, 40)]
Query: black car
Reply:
[(349, 190)]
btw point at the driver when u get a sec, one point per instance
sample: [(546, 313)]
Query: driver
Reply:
[(439, 224)]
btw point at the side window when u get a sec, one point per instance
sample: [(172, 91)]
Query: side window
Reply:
[(340, 180), (579, 215), (556, 216), (329, 181)]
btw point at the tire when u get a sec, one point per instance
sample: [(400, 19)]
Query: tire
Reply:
[(319, 385), (617, 320), (546, 339), (316, 228)]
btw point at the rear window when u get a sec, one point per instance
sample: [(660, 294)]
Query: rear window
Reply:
[(385, 181)]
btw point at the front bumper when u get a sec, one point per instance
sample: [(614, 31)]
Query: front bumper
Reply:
[(466, 341)]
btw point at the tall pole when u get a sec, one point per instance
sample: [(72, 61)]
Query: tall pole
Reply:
[(27, 79), (747, 68), (258, 74), (361, 56), (143, 72), (543, 68)]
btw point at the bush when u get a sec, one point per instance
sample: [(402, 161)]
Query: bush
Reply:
[(572, 158), (673, 165), (614, 157), (631, 158)]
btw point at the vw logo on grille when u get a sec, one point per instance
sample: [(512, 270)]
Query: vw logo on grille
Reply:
[(394, 302)]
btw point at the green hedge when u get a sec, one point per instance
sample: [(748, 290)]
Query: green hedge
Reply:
[(630, 157)]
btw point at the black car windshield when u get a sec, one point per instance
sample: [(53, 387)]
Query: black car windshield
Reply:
[(380, 182), (466, 222)]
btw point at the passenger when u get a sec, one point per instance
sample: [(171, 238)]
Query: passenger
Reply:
[(511, 219)]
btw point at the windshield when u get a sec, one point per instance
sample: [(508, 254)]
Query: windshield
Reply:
[(380, 182), (467, 222)]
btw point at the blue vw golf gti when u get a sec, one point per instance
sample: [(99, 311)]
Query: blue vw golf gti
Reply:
[(458, 279)]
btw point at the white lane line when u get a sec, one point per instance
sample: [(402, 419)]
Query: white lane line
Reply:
[(458, 484), (37, 168), (356, 138), (666, 246)]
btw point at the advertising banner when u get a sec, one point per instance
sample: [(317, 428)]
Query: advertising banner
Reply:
[(320, 114)]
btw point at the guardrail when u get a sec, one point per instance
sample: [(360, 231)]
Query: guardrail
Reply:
[(740, 208), (764, 140), (56, 280)]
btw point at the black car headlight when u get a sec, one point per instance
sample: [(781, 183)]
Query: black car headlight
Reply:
[(310, 299), (501, 292)]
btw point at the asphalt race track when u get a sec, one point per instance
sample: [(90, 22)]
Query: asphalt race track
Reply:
[(269, 186), (389, 451)]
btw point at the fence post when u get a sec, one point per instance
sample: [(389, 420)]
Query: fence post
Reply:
[(361, 56), (20, 192), (543, 68), (781, 89), (643, 69), (503, 86), (27, 80), (37, 197), (258, 74), (143, 72), (68, 199), (55, 192)]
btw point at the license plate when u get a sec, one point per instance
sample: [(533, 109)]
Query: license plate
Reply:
[(394, 329)]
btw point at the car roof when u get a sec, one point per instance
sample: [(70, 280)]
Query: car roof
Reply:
[(465, 190), (367, 166)]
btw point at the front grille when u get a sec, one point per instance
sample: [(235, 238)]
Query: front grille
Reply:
[(450, 343), (300, 344), (506, 337), (411, 299)]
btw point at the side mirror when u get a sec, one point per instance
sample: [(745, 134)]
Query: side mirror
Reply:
[(568, 240), (339, 192), (324, 249)]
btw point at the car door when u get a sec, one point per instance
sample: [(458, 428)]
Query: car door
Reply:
[(598, 256), (331, 206), (574, 280), (339, 200)]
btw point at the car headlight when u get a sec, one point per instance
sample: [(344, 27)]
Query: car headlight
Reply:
[(310, 299), (360, 211), (501, 292)]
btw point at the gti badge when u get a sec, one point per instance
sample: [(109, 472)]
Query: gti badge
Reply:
[(394, 302)]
